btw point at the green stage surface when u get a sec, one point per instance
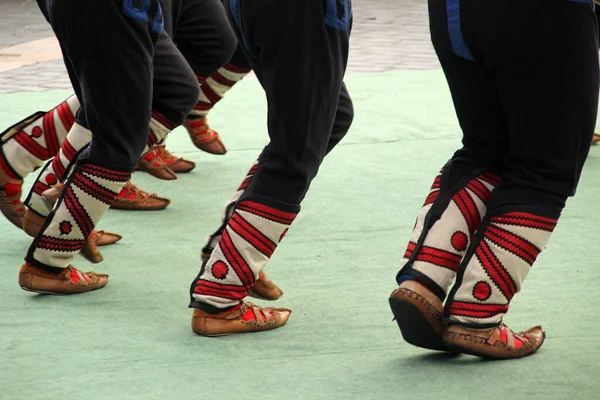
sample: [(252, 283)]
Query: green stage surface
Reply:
[(132, 340)]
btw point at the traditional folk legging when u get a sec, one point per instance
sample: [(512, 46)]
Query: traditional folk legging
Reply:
[(493, 207), (307, 103)]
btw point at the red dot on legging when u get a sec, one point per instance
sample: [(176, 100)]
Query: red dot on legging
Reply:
[(482, 290), (51, 179), (219, 270), (36, 132), (459, 240)]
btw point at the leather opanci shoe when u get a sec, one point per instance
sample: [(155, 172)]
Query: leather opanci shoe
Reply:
[(68, 281), (497, 343), (418, 313), (247, 317)]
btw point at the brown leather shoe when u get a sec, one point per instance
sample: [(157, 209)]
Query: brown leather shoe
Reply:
[(90, 249), (247, 317), (69, 281), (595, 138), (135, 199), (32, 223), (203, 136), (103, 238), (152, 163), (10, 198), (176, 164), (418, 313), (496, 343), (265, 289)]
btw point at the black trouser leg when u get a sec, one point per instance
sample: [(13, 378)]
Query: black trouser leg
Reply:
[(304, 88), (108, 48), (525, 88), (176, 89), (111, 55), (203, 35), (299, 125)]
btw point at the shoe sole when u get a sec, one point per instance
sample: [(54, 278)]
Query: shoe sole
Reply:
[(220, 334), (415, 328), (135, 208), (42, 292), (58, 294), (464, 350), (165, 177), (183, 170), (202, 145)]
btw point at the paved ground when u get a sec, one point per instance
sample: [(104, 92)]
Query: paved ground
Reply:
[(388, 35), (21, 21)]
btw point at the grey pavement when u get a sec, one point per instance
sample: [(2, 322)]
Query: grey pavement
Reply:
[(388, 35), (21, 21)]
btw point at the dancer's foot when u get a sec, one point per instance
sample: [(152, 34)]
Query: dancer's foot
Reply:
[(418, 313), (247, 317), (135, 199), (495, 343), (203, 136), (68, 281), (176, 164)]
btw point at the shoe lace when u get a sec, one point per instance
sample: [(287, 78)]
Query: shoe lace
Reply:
[(132, 192), (155, 157), (256, 315), (200, 129), (266, 282), (512, 339), (165, 155), (78, 276)]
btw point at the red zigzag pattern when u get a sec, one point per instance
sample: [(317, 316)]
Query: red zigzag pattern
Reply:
[(439, 257), (472, 310), (253, 236), (60, 245)]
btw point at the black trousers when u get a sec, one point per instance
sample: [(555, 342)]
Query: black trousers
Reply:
[(597, 11), (299, 51), (202, 33), (524, 81), (115, 54), (174, 84), (239, 58)]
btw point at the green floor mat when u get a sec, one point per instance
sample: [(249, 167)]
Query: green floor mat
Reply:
[(132, 340)]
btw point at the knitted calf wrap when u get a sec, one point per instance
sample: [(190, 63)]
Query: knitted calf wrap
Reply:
[(498, 261), (160, 126), (246, 245), (215, 86), (213, 239), (37, 138), (57, 171), (83, 201), (444, 228)]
